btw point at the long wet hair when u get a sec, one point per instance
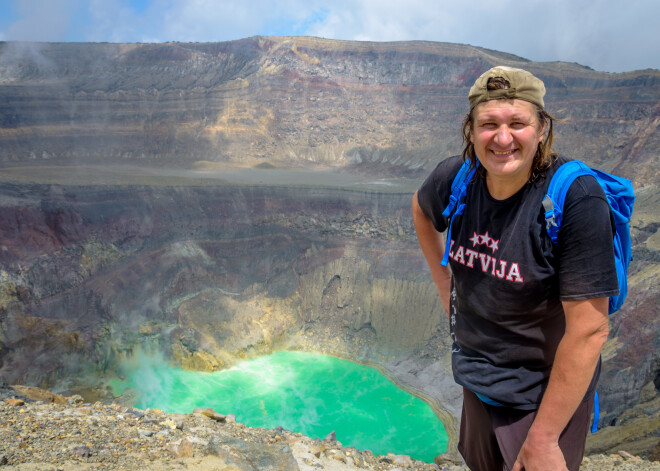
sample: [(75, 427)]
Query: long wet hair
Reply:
[(544, 154)]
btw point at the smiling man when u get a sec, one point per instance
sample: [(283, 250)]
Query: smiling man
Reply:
[(528, 318)]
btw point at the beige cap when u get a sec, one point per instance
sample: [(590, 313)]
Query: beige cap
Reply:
[(524, 86)]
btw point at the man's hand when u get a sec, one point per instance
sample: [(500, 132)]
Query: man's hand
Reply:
[(541, 456)]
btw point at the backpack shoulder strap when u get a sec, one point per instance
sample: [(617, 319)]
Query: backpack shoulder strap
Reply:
[(553, 202), (455, 206)]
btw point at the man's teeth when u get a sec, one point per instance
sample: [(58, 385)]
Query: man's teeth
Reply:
[(502, 153)]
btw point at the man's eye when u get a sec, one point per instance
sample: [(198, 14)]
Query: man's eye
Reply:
[(518, 125)]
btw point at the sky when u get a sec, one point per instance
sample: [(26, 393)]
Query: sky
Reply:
[(606, 35)]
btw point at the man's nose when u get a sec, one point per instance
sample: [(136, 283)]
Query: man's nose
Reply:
[(503, 136)]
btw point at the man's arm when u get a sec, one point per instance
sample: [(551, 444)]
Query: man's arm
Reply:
[(573, 368), (433, 247)]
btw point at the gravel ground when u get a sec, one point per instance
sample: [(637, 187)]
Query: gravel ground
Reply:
[(64, 434)]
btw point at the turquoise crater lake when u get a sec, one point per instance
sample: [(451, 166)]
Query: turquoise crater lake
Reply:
[(302, 392)]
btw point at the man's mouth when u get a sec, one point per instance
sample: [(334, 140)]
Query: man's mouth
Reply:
[(505, 152)]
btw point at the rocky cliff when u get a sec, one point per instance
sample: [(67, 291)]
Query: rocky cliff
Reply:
[(392, 108), (209, 275), (221, 201)]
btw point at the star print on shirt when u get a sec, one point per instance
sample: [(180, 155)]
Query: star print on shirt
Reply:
[(486, 240)]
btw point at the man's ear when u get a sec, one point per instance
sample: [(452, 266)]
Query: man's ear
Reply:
[(542, 133)]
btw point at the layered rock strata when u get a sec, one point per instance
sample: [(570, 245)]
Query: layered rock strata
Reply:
[(387, 108)]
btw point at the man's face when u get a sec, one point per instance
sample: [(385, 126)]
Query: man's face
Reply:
[(505, 135)]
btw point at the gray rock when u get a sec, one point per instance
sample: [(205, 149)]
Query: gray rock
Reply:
[(210, 413), (76, 399), (181, 449), (81, 451), (248, 456), (137, 413)]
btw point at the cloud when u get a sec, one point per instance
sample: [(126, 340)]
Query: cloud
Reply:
[(109, 20), (209, 20), (611, 35), (40, 20), (373, 20)]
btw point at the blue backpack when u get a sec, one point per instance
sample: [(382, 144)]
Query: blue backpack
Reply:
[(620, 196)]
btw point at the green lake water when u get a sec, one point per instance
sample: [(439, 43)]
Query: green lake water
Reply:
[(302, 392)]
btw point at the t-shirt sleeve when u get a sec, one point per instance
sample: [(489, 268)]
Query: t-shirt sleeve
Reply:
[(433, 195), (585, 243)]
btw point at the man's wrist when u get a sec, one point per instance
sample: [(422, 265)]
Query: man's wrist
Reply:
[(538, 434)]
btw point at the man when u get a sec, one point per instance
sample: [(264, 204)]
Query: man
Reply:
[(528, 318)]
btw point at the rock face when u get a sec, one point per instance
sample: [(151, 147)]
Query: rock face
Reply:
[(220, 201), (209, 276), (393, 108)]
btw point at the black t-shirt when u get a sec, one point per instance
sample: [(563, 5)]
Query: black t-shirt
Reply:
[(509, 279)]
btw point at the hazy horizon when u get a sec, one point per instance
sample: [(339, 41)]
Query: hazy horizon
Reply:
[(606, 35)]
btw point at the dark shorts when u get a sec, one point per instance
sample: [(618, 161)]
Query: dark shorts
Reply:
[(491, 436)]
